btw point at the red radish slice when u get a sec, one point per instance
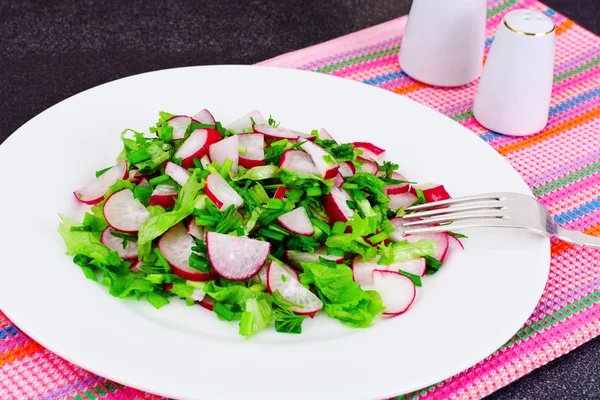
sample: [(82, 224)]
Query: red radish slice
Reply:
[(297, 257), (135, 177), (124, 213), (368, 166), (418, 266), (362, 270), (455, 243), (370, 151), (236, 257), (325, 165), (195, 230), (338, 180), (401, 200), (129, 252), (136, 266), (205, 117), (196, 146), (179, 124), (281, 133), (164, 195), (208, 303), (324, 135), (397, 291), (432, 192), (336, 206), (176, 246), (225, 149), (144, 182), (218, 190), (254, 145), (94, 192), (244, 124), (179, 174), (297, 161), (347, 168), (279, 279), (396, 188), (297, 221), (439, 238), (280, 193)]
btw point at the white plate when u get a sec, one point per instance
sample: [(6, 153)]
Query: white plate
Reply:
[(464, 313)]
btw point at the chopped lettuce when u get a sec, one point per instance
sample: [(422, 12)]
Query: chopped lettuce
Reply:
[(86, 243)]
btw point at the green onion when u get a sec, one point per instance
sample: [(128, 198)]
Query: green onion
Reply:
[(162, 261), (225, 168), (197, 163), (275, 204), (223, 312), (458, 235), (279, 229), (415, 278), (160, 179), (281, 142), (313, 192), (338, 228), (323, 226), (335, 252), (433, 264), (380, 237), (156, 300), (271, 235), (199, 263), (138, 156), (258, 287), (131, 237), (350, 186), (102, 171), (242, 149)]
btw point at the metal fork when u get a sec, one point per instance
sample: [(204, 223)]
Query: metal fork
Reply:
[(497, 210)]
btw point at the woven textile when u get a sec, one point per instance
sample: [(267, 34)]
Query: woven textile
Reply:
[(560, 164)]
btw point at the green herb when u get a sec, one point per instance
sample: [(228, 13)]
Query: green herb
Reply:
[(199, 263), (102, 171), (286, 321), (223, 312), (272, 122), (323, 226), (433, 264), (160, 179), (415, 278), (458, 235), (161, 260), (156, 300)]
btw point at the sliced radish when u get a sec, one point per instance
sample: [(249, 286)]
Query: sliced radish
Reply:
[(401, 200), (218, 190), (124, 213), (164, 195), (179, 124), (347, 168), (280, 193), (135, 177), (418, 266), (324, 135), (397, 291), (254, 145), (439, 238), (244, 124), (208, 303), (338, 180), (363, 269), (205, 117), (432, 192), (455, 243), (195, 230), (368, 166), (94, 192), (196, 146), (236, 257), (279, 279), (179, 174), (176, 246), (325, 165), (396, 188), (370, 151), (281, 133), (144, 182), (297, 257), (129, 252), (225, 149), (297, 161), (205, 161), (297, 221), (137, 266), (336, 205)]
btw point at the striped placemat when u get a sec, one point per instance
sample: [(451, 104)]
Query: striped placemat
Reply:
[(560, 164)]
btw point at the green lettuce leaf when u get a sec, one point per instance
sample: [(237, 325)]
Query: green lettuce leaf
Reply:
[(86, 243), (403, 251), (257, 315)]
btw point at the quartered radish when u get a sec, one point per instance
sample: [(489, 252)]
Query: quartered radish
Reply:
[(368, 166), (236, 257), (336, 206), (195, 230), (272, 133), (176, 246), (432, 192), (455, 243), (417, 266), (124, 213), (129, 252), (297, 221), (196, 146), (298, 257), (279, 279), (137, 266), (347, 168), (225, 149), (179, 124), (396, 188), (397, 291), (297, 161), (218, 190), (401, 200), (253, 145), (208, 303), (370, 151), (325, 135), (94, 192), (338, 180), (205, 117), (280, 192), (177, 173), (325, 165), (163, 195), (244, 124)]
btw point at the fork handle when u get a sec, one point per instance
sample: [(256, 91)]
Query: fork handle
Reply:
[(576, 237)]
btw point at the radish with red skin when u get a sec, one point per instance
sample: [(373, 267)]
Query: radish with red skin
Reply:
[(325, 135), (164, 195), (124, 213), (225, 149), (370, 151), (417, 266), (368, 166), (177, 173), (136, 266), (455, 243), (325, 165), (432, 192), (336, 206), (179, 123), (272, 133), (127, 253), (135, 177), (280, 193), (347, 168), (279, 279), (297, 161), (244, 124), (208, 303), (176, 246), (297, 257), (220, 193), (195, 230), (205, 117), (362, 269), (297, 221), (196, 146), (396, 188), (236, 257), (144, 182), (254, 144), (338, 180), (397, 291), (401, 200), (94, 192)]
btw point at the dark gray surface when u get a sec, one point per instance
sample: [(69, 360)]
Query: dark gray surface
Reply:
[(50, 50)]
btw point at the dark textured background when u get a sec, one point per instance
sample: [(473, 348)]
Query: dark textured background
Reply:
[(50, 50)]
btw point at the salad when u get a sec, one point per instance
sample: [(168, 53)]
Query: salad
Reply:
[(255, 222)]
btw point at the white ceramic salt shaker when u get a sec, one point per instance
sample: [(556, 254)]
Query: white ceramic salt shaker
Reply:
[(444, 41), (514, 92)]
